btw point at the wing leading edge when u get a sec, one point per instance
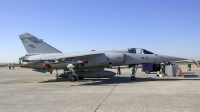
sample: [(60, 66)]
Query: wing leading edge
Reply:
[(66, 58)]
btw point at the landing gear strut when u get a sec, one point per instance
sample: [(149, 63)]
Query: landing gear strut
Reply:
[(57, 75), (134, 69), (73, 77)]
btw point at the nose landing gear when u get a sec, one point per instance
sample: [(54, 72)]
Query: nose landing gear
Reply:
[(134, 70), (133, 78)]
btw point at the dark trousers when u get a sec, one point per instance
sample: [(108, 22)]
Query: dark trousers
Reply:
[(118, 71)]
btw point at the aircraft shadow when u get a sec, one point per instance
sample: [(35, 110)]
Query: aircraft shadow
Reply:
[(55, 80), (119, 80), (126, 80), (191, 76), (189, 73)]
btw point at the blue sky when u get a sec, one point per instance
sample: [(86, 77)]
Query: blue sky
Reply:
[(170, 27)]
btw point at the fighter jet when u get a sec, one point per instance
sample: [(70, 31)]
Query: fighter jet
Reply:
[(43, 57)]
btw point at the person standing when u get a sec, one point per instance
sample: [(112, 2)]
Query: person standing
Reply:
[(118, 70), (163, 70), (9, 65), (13, 65)]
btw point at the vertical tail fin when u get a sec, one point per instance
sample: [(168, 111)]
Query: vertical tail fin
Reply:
[(34, 45)]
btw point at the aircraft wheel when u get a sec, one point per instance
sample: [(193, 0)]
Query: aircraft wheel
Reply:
[(133, 78), (72, 78)]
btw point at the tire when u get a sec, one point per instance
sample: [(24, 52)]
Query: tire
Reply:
[(133, 78), (72, 78)]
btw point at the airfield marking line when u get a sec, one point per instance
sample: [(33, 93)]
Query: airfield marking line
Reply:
[(108, 95), (111, 91)]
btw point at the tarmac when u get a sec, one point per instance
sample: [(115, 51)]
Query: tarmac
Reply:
[(24, 90)]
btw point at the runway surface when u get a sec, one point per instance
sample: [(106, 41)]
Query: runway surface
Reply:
[(27, 91)]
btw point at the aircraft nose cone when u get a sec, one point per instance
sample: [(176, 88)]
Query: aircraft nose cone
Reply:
[(171, 58)]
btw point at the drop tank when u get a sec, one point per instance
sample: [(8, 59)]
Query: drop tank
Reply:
[(90, 74)]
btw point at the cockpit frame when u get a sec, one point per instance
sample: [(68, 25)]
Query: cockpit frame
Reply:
[(139, 51)]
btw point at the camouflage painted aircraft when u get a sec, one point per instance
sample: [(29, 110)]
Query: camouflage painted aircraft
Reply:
[(41, 56)]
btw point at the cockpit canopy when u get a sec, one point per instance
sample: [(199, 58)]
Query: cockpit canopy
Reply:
[(139, 51)]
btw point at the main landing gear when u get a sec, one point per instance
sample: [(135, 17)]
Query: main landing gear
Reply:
[(57, 75), (73, 77)]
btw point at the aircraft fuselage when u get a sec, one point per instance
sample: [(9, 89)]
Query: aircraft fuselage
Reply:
[(106, 59)]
